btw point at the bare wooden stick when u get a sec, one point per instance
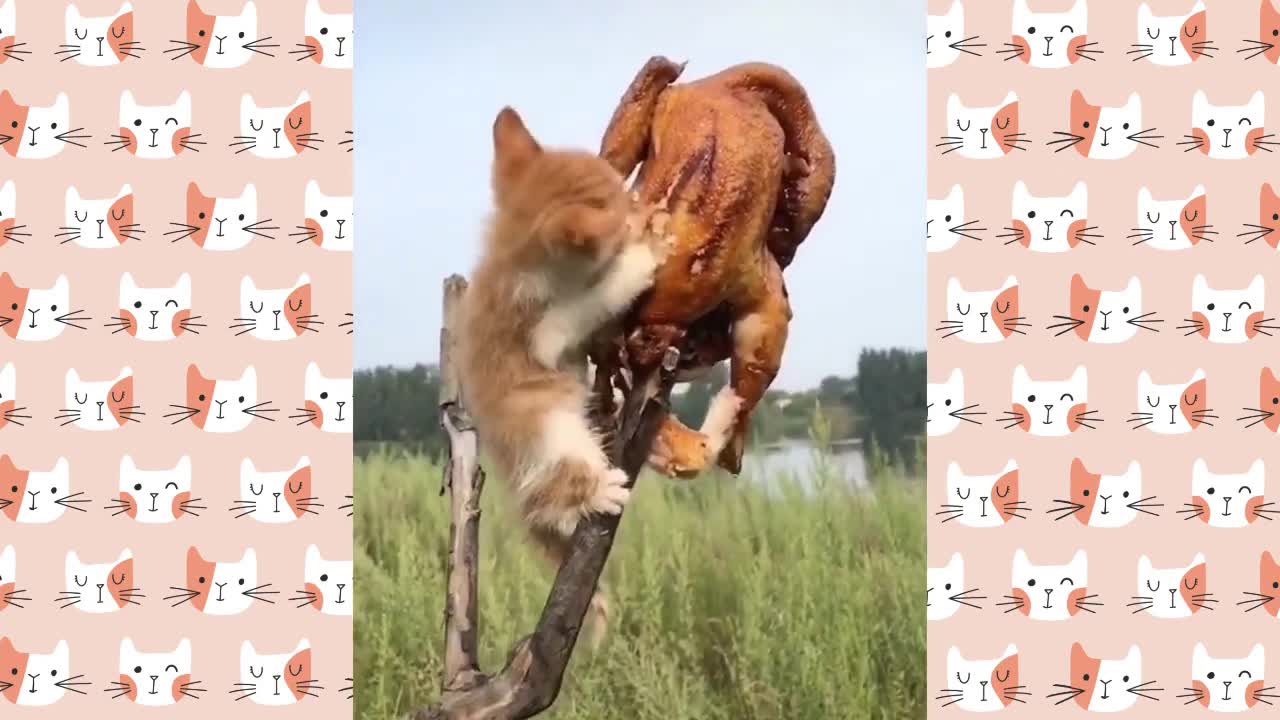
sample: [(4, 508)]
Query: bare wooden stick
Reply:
[(532, 677)]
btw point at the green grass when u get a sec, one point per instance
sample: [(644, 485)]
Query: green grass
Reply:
[(727, 602)]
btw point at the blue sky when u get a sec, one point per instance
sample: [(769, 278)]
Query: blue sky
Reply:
[(431, 76)]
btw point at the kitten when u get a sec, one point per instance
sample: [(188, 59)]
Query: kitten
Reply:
[(330, 41), (1268, 411), (1172, 224), (36, 314), (945, 39), (221, 41), (275, 496), (982, 501), (559, 263), (982, 133), (1171, 593), (1104, 316), (222, 223), (1035, 401), (1225, 132), (1173, 409), (1172, 39), (1212, 495), (982, 316), (155, 679), (1267, 44), (1104, 686), (36, 496), (1227, 316), (327, 401), (1266, 229), (1051, 224), (275, 314), (982, 685), (946, 590), (10, 594), (1232, 684), (946, 407), (100, 223), (34, 678), (99, 41), (1050, 592), (10, 230), (1050, 40), (156, 132), (9, 410), (1266, 597), (1105, 501), (1102, 132), (155, 496), (155, 314), (99, 588), (34, 132), (10, 48), (945, 224), (282, 679), (223, 405), (275, 132), (328, 584), (330, 220), (221, 588), (100, 405)]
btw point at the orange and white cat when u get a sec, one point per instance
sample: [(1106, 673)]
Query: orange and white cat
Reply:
[(1104, 685), (985, 500), (1229, 684), (1173, 39), (100, 405), (221, 41), (155, 314), (221, 405), (982, 316), (945, 224), (277, 679), (34, 132), (327, 401), (1212, 495), (275, 313), (10, 48), (100, 40), (330, 37), (1051, 592), (1268, 595), (1050, 408), (1173, 409), (10, 413), (946, 408), (155, 496), (37, 314), (1212, 128), (100, 223), (1105, 132), (328, 584), (10, 230), (37, 496), (275, 132), (1267, 43), (1051, 40), (1104, 316), (37, 679), (1105, 501), (945, 38), (946, 592), (1267, 413), (155, 679), (1177, 224), (982, 133), (330, 220), (10, 594), (986, 685), (1213, 311), (1051, 224), (1171, 593), (156, 132), (221, 587), (276, 496), (1268, 226), (100, 587)]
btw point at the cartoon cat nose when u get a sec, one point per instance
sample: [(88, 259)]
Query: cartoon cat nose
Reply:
[(983, 683), (983, 498), (1048, 406), (1048, 223)]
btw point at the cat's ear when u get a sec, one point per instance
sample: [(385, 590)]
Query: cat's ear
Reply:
[(183, 287), (194, 557), (250, 12), (1197, 560), (1197, 376), (1257, 102), (73, 561), (1079, 194), (1079, 560), (1010, 650), (8, 190), (1134, 657), (1258, 472), (1144, 379), (128, 105), (247, 288), (1134, 470), (1020, 561), (73, 378), (247, 105), (303, 279), (126, 8), (61, 653), (956, 10), (1133, 286), (249, 195), (1256, 286), (1134, 103), (125, 372), (954, 106), (61, 468), (1197, 8), (956, 377), (250, 557), (303, 461), (127, 467), (956, 563), (1144, 17), (1020, 377), (72, 14), (954, 658), (1009, 99), (246, 467), (1144, 567), (1257, 654), (1144, 197), (8, 556), (125, 554), (61, 286), (1080, 11), (1199, 100), (183, 651), (127, 285), (247, 653), (8, 373), (1020, 10), (1009, 467), (184, 104), (514, 149), (303, 644), (250, 376), (1009, 282), (1198, 192), (1080, 376), (312, 556), (183, 467), (1020, 193), (1199, 654), (313, 373), (954, 475), (304, 97)]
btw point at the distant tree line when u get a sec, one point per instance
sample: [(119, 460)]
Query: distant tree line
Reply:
[(882, 404)]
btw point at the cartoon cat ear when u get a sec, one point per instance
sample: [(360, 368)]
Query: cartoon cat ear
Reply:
[(1197, 560), (249, 194), (1080, 193), (61, 652), (1081, 374), (247, 105), (1080, 8), (72, 14), (954, 658), (953, 288), (953, 473), (73, 560), (1199, 99), (1197, 8), (1197, 192), (246, 652), (127, 650), (1144, 15), (303, 644), (956, 9), (303, 461), (8, 556), (954, 106), (1009, 651), (127, 7), (246, 286), (184, 103), (1256, 285), (303, 97), (1144, 379), (184, 285), (1134, 469), (956, 377), (61, 468), (957, 193), (1198, 375), (250, 376), (1257, 101), (73, 377), (1009, 99), (1144, 566), (1019, 559), (61, 285), (1134, 656), (126, 465), (1199, 469), (1009, 282), (183, 467), (1009, 467), (313, 555), (313, 189), (193, 556), (313, 372), (183, 651), (1258, 470), (1144, 197), (1020, 192), (956, 562), (1134, 285), (1134, 102), (1020, 377), (1199, 654), (126, 283), (127, 102), (1079, 559), (303, 279), (1257, 653), (125, 554), (124, 373), (250, 10), (8, 373), (250, 557)]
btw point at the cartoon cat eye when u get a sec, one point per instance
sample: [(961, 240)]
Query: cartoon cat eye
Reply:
[(965, 127), (76, 580), (258, 491), (261, 124), (301, 667), (1006, 123), (174, 484), (257, 309), (171, 120), (298, 126), (965, 496), (123, 30), (76, 215), (1153, 404), (966, 309), (1193, 585), (1067, 581), (1004, 494), (1195, 30), (114, 581), (76, 397), (166, 668), (965, 679), (297, 308), (118, 399), (1066, 396), (1067, 29), (1153, 589), (1192, 401), (1004, 309), (1155, 219), (1193, 217), (259, 673), (86, 34), (1006, 676), (171, 302)]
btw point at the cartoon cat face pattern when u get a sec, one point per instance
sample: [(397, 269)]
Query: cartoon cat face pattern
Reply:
[(1102, 394), (176, 237)]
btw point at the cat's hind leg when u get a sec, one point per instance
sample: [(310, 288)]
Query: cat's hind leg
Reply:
[(569, 476)]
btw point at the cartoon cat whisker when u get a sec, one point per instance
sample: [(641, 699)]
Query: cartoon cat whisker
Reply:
[(260, 230), (349, 142), (183, 413), (182, 48), (258, 45), (13, 233), (261, 407), (1065, 141), (1255, 48), (14, 416), (1066, 692)]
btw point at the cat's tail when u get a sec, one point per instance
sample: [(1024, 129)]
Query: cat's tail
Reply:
[(626, 140)]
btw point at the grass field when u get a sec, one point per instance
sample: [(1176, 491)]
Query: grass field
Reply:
[(727, 602)]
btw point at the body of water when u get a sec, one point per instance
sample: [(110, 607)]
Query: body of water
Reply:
[(802, 461)]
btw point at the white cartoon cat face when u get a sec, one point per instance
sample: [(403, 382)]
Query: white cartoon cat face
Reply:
[(981, 133), (1171, 592), (154, 314), (8, 25), (328, 400), (1227, 499), (35, 314), (1050, 592), (329, 36), (946, 591), (1108, 132), (156, 678), (100, 405), (154, 496), (982, 501), (945, 37), (275, 132), (275, 496), (282, 679), (99, 41), (224, 41), (1228, 683), (223, 405), (99, 587), (982, 316), (1227, 132), (36, 496), (1050, 408), (328, 583), (981, 685), (330, 219), (42, 675), (156, 132), (1050, 40), (1172, 409), (1107, 682), (1051, 224), (99, 223), (8, 574), (946, 407), (1172, 224), (945, 224), (8, 395), (10, 230), (1106, 316), (222, 587), (1227, 316), (38, 132), (1172, 39), (223, 223), (1103, 500), (275, 314)]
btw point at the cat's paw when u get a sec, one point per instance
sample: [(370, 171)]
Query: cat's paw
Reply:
[(611, 493), (721, 418)]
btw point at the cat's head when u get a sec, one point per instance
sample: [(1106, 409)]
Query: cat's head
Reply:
[(946, 407), (982, 133), (222, 587), (9, 32), (945, 36), (9, 412), (1172, 592), (99, 587), (36, 496), (276, 131), (981, 685), (1268, 42), (1105, 500), (34, 678), (1050, 592), (982, 316), (154, 496), (1268, 410), (155, 314), (275, 496), (100, 404), (1268, 227), (1172, 224), (1267, 597), (222, 223), (1050, 407), (282, 679), (1050, 40), (982, 500), (946, 591), (8, 578), (220, 41), (100, 40), (1227, 684), (9, 228), (1051, 224), (35, 314), (275, 314), (328, 400), (1227, 316), (1173, 409), (330, 219), (155, 131), (328, 583), (329, 36), (1227, 499), (221, 405), (1105, 132), (1172, 39), (1106, 316), (1228, 132), (1105, 685), (36, 132), (99, 223), (155, 678), (945, 224)]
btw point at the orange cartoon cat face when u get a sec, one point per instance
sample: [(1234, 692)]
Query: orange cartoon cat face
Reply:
[(222, 405), (278, 679), (1268, 227), (222, 41), (1105, 132), (1268, 411), (102, 40), (223, 587), (1268, 43)]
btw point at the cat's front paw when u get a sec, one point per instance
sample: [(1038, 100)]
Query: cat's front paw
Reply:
[(611, 493)]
